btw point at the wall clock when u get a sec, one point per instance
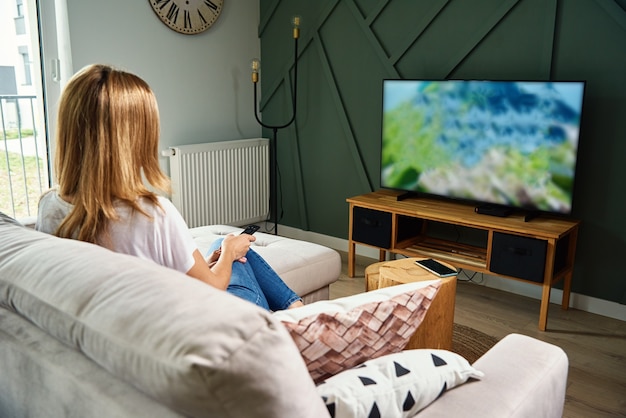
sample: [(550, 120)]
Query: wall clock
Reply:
[(187, 16)]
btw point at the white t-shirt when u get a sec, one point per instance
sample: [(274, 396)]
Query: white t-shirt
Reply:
[(164, 239)]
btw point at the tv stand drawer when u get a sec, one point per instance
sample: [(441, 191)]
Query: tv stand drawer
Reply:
[(371, 227), (515, 256)]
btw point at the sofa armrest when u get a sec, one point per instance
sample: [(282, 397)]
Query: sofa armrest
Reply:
[(524, 377)]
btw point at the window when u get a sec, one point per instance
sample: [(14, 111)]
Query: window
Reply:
[(20, 24), (28, 79), (24, 126)]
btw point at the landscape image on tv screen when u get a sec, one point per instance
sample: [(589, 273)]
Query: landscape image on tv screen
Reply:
[(502, 142)]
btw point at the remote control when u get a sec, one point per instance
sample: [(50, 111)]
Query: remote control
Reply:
[(250, 229)]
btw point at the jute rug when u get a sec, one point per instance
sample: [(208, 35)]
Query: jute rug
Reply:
[(470, 343)]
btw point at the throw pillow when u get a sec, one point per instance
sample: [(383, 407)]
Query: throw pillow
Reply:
[(395, 385), (338, 334)]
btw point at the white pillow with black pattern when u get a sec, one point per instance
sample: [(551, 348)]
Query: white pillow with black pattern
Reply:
[(395, 385)]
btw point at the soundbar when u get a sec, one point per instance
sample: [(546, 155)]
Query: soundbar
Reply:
[(493, 210)]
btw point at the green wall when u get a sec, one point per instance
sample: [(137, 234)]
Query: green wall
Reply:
[(347, 47)]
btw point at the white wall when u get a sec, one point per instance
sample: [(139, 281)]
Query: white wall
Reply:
[(202, 82)]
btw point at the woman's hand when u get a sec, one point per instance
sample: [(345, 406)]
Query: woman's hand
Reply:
[(212, 259), (215, 255), (217, 268), (235, 247)]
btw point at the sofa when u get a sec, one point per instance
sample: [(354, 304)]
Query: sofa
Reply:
[(85, 332)]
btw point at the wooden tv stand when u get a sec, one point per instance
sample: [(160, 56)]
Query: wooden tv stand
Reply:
[(540, 251)]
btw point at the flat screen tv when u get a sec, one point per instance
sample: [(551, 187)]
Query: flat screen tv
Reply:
[(510, 144)]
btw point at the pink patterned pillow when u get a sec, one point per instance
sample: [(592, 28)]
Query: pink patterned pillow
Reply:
[(339, 334)]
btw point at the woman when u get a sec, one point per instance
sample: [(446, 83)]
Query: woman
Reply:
[(106, 152)]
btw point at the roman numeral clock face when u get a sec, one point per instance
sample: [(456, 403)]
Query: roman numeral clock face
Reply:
[(188, 16)]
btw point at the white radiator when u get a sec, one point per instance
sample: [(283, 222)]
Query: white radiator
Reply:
[(221, 183)]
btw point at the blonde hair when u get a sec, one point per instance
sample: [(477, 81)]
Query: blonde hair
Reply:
[(106, 146)]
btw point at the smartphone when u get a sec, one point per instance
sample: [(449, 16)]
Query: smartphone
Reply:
[(250, 229), (436, 268)]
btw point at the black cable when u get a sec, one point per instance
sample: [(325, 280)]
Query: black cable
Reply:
[(470, 278)]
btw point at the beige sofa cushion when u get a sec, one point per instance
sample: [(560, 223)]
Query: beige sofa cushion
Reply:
[(304, 266), (196, 349)]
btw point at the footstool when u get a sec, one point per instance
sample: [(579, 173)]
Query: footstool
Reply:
[(435, 330), (307, 268)]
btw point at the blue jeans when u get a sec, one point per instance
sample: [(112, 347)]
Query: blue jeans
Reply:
[(256, 282)]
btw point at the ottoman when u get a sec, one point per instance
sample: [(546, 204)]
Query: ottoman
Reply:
[(307, 268), (435, 331)]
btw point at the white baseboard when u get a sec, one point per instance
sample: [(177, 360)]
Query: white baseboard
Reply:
[(577, 301)]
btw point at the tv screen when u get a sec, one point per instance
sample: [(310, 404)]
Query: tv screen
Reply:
[(509, 143)]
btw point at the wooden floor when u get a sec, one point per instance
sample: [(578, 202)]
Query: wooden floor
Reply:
[(595, 345)]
